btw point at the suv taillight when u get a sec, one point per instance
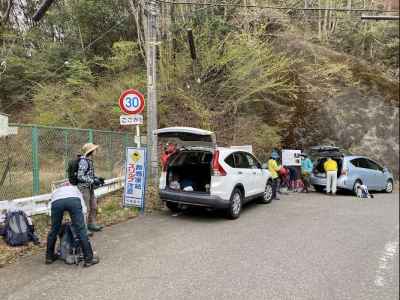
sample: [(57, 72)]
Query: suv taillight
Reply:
[(217, 169)]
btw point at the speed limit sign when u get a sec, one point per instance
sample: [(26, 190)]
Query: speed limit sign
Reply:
[(131, 102)]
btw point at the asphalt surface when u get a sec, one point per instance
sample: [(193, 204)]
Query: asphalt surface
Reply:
[(305, 246)]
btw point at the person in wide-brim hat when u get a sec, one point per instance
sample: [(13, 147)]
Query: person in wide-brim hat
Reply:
[(89, 148), (88, 181)]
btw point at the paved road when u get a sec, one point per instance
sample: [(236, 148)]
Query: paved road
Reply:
[(302, 247)]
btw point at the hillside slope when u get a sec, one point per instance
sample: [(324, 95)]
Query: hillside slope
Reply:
[(269, 78)]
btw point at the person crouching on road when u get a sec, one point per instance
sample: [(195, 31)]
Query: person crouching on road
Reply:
[(87, 181), (273, 169), (69, 198), (331, 168)]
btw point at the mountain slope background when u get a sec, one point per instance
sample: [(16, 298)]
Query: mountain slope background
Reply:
[(267, 77)]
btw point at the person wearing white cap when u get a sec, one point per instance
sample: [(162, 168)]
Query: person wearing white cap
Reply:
[(87, 181)]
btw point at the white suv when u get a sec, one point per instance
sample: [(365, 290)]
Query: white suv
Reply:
[(201, 174)]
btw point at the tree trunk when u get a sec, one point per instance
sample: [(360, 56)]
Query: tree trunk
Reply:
[(325, 29), (319, 21), (137, 11), (4, 17)]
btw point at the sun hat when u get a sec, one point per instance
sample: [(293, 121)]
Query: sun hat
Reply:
[(88, 148)]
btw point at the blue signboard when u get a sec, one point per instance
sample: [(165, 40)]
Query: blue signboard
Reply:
[(135, 177)]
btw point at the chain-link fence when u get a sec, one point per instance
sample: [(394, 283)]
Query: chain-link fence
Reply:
[(38, 155)]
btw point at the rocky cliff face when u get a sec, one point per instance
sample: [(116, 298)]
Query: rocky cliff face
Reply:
[(365, 124)]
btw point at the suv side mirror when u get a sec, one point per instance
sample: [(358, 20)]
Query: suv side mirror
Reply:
[(264, 166)]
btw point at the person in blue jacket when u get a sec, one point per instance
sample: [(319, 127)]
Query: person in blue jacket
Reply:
[(306, 169)]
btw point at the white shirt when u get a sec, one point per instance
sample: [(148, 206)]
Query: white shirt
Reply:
[(67, 191)]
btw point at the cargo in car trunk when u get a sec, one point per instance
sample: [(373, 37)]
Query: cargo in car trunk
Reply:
[(319, 167), (190, 171)]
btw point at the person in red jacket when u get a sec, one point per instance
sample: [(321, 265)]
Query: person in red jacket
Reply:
[(170, 149)]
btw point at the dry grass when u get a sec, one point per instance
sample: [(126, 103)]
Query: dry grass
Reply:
[(110, 212)]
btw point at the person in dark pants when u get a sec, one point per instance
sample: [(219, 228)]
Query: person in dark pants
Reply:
[(69, 199), (292, 178), (306, 170), (273, 169)]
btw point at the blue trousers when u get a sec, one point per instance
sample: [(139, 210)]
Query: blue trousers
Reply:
[(74, 208)]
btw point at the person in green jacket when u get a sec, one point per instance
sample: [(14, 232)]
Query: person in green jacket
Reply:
[(273, 169)]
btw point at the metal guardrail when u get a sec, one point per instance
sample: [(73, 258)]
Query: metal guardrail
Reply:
[(38, 205)]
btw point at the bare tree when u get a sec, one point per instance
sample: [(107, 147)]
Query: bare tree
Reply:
[(137, 10), (5, 16)]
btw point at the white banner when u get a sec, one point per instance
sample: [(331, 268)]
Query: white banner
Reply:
[(135, 178), (291, 157)]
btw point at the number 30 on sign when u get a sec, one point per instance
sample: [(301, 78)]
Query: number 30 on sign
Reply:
[(131, 102)]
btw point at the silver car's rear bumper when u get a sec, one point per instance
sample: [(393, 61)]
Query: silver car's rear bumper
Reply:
[(342, 182)]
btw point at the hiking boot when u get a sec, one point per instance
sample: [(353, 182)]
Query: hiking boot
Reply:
[(95, 260), (51, 259), (36, 241), (94, 227)]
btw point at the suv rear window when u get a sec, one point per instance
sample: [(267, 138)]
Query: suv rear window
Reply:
[(241, 161), (230, 161), (192, 157)]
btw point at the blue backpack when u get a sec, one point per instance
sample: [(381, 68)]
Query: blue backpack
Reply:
[(18, 229), (70, 250)]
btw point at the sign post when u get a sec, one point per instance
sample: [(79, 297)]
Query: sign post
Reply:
[(132, 104)]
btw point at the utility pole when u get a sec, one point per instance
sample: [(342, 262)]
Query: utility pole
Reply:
[(152, 141)]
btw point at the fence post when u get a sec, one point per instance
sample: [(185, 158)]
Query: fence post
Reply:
[(66, 156), (90, 135), (111, 157), (35, 160), (126, 141)]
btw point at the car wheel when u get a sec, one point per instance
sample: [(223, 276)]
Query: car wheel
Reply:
[(174, 207), (389, 186), (235, 204), (267, 195), (319, 188), (356, 188)]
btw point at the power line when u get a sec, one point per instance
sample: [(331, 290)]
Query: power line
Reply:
[(277, 7), (104, 34), (380, 18)]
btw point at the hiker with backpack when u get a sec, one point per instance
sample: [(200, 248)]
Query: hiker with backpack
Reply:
[(87, 182), (68, 198)]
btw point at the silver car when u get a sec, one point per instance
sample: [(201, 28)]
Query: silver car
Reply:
[(353, 171)]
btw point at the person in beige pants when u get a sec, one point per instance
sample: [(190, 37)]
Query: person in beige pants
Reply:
[(88, 181), (331, 169)]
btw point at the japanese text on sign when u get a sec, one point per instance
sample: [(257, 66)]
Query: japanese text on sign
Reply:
[(135, 181)]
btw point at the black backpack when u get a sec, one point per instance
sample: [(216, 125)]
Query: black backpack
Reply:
[(70, 250), (73, 167), (18, 229)]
